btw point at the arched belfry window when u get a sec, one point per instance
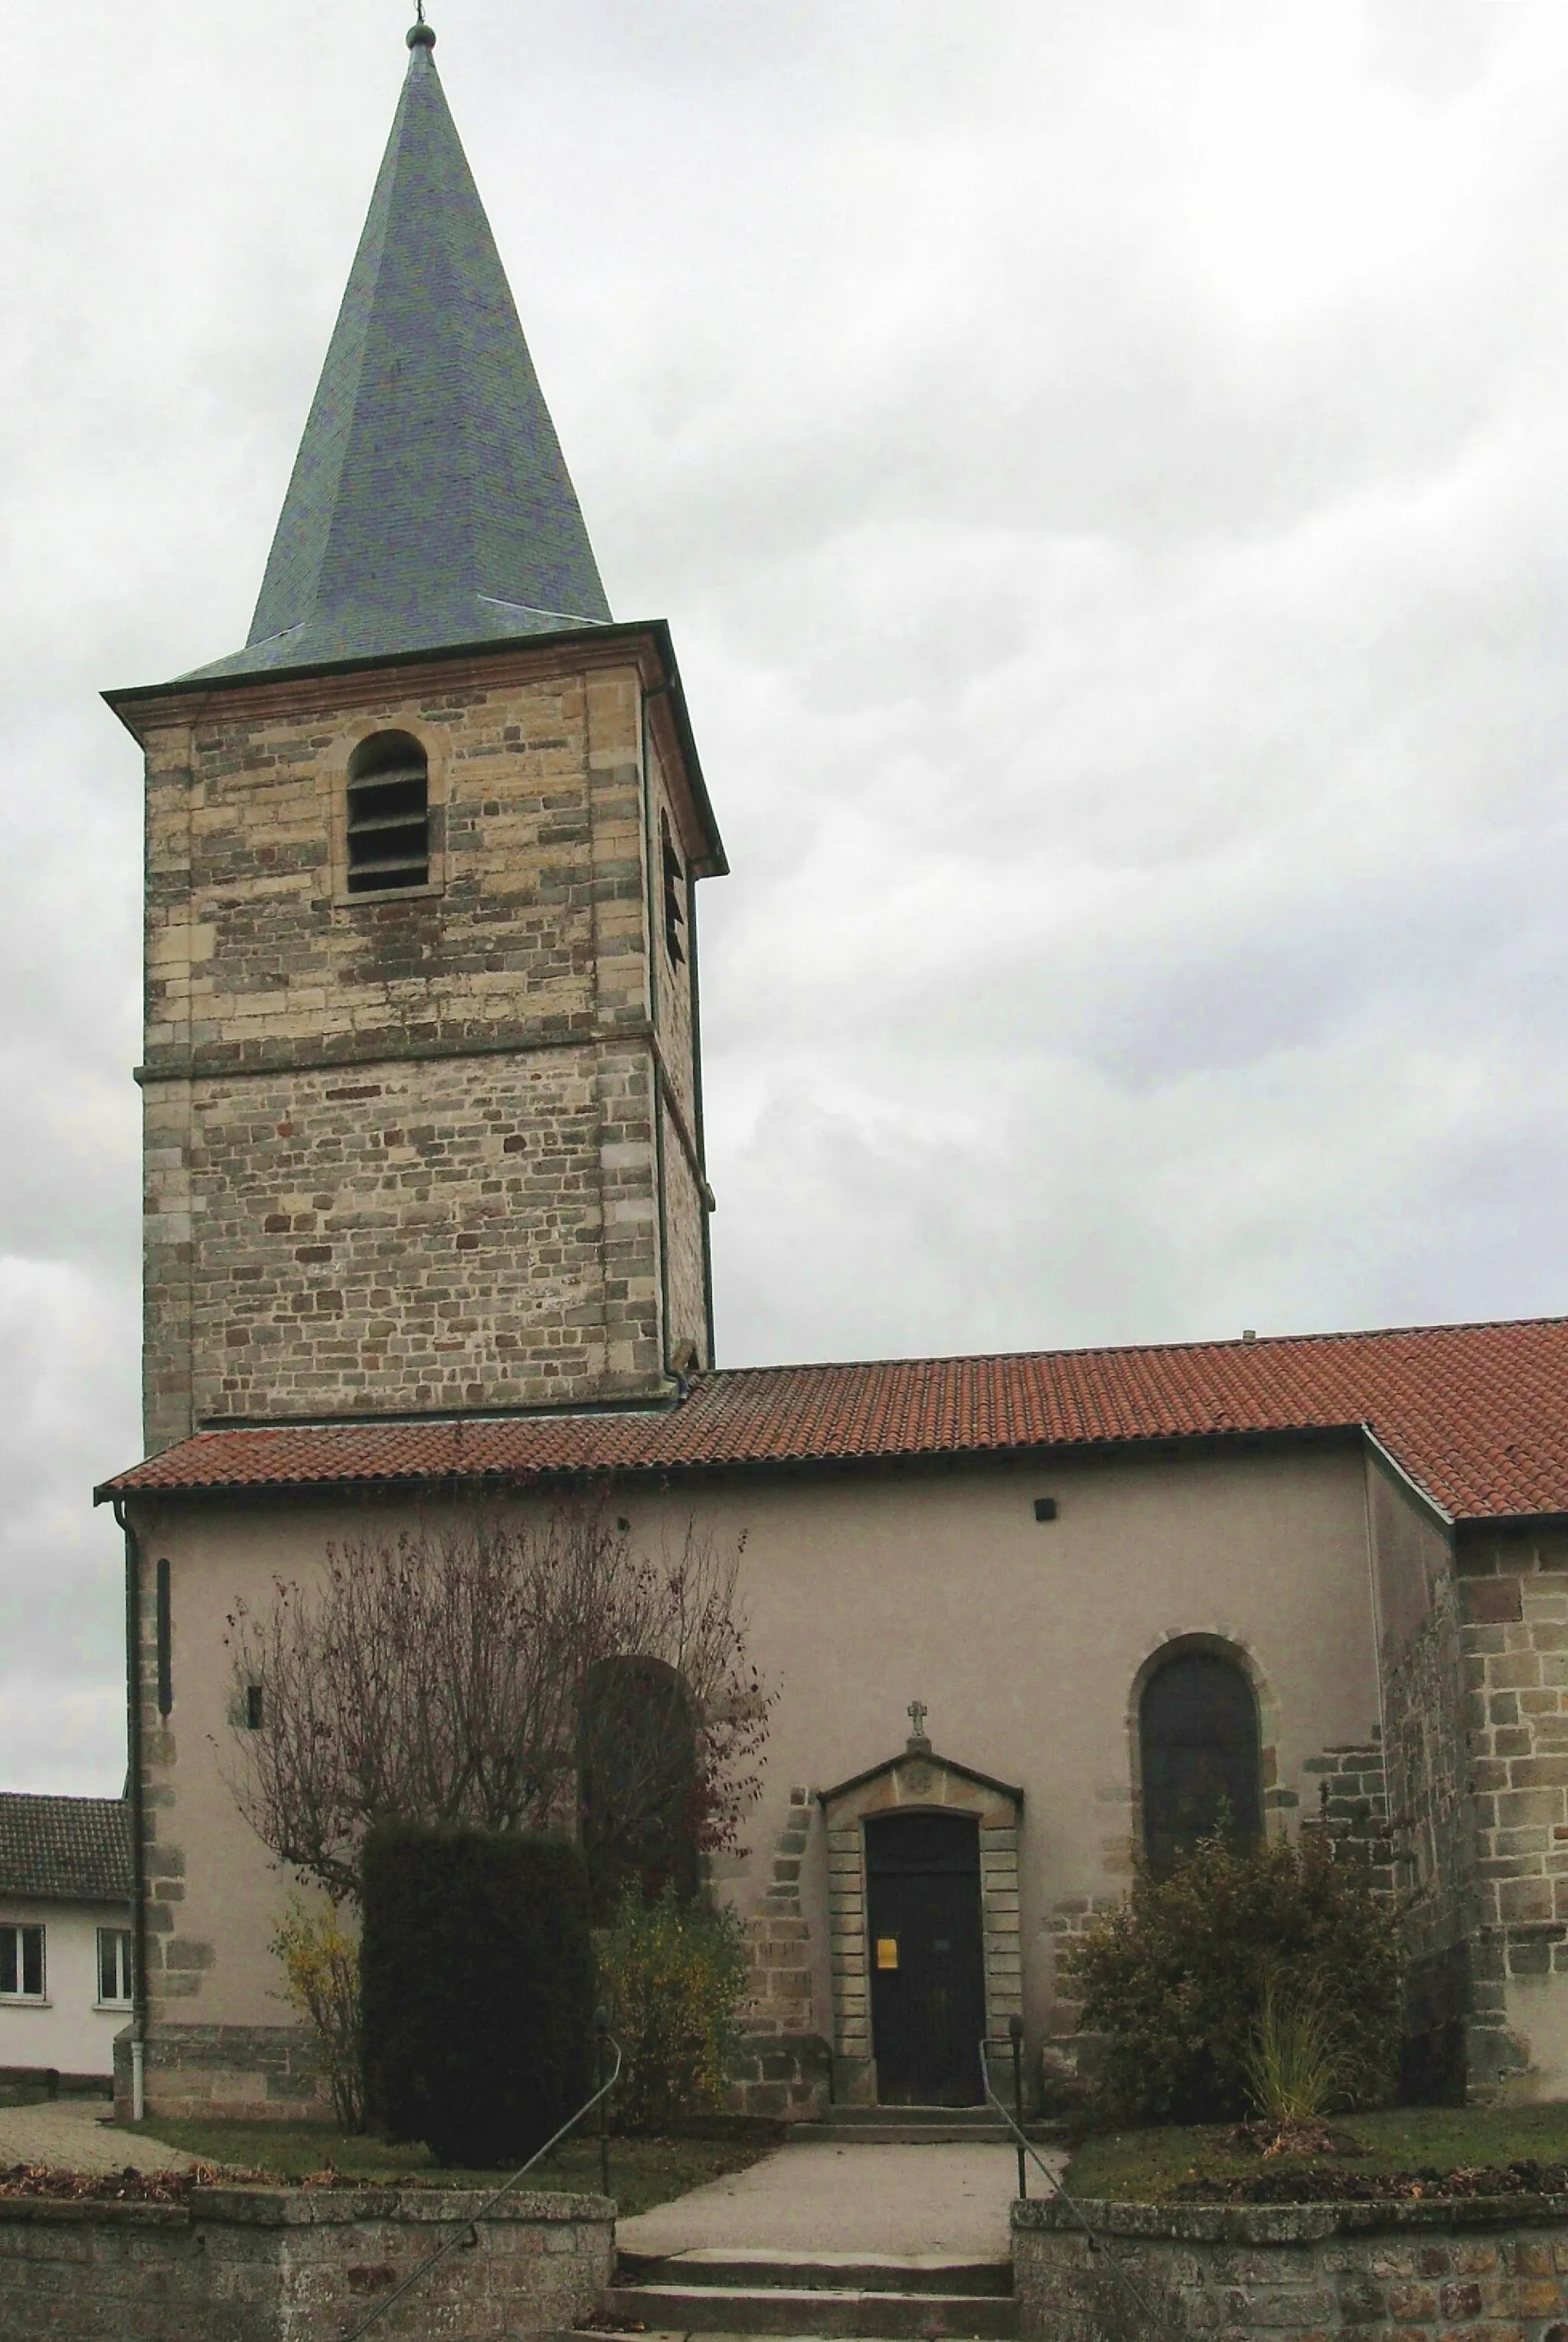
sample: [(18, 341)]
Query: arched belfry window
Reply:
[(1201, 1759), (639, 1784), (388, 814)]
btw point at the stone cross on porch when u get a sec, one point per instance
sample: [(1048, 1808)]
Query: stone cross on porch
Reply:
[(916, 1713)]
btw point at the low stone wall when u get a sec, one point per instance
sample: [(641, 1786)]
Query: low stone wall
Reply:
[(1492, 2270), (298, 2264)]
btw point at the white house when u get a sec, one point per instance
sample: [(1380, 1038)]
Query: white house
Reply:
[(65, 1934)]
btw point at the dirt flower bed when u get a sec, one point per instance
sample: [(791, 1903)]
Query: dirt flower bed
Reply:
[(1323, 2183), (133, 2187)]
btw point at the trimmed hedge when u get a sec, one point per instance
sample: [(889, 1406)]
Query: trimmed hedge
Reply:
[(476, 1980)]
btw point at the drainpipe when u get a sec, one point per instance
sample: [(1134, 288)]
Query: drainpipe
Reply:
[(706, 1199), (138, 1814)]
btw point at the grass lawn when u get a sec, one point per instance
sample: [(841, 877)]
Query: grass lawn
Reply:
[(1142, 2166), (643, 2171)]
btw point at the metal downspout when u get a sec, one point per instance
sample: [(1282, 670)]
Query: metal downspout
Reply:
[(138, 1813), (705, 1200)]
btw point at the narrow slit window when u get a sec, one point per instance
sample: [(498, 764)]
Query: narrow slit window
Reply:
[(255, 1708), (674, 879), (164, 1622), (388, 815)]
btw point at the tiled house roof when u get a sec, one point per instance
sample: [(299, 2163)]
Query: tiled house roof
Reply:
[(65, 1849), (1477, 1415)]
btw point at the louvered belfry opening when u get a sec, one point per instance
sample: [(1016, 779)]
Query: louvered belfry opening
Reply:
[(388, 814)]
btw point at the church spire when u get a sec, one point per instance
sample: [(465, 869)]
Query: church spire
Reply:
[(430, 503)]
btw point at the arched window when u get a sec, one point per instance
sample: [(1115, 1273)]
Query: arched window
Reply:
[(638, 1780), (388, 814), (1201, 1764)]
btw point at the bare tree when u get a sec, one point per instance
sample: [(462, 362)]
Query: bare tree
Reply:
[(503, 1668)]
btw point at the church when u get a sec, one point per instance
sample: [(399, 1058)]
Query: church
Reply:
[(427, 1221)]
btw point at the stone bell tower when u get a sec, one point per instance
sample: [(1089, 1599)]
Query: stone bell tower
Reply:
[(423, 1100)]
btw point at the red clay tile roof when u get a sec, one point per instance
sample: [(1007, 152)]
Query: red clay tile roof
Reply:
[(1476, 1414)]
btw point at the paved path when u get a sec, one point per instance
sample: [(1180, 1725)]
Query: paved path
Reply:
[(839, 2199), (73, 2136)]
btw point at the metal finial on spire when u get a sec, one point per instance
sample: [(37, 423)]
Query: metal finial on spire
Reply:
[(420, 35)]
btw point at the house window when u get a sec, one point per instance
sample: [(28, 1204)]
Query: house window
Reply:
[(113, 1967), (255, 1708), (1202, 1763), (675, 878), (388, 814), (21, 1963)]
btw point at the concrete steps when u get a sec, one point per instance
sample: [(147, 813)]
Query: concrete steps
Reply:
[(893, 2297)]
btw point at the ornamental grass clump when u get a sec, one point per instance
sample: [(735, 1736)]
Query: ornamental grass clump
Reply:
[(671, 1976), (1296, 2065), (1178, 1980)]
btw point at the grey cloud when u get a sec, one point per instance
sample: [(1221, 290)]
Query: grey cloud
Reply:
[(1106, 469)]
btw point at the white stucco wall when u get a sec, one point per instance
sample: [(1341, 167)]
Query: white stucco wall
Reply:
[(68, 2030), (865, 1591)]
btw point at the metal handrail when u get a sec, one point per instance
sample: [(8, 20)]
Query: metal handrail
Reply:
[(1098, 2243), (470, 2226)]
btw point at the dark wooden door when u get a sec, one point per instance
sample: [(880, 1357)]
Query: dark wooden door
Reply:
[(927, 1959)]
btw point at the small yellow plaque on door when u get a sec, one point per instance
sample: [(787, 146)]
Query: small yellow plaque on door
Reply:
[(887, 1951)]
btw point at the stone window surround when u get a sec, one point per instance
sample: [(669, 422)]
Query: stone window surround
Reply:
[(918, 1781), (1222, 1643), (332, 772)]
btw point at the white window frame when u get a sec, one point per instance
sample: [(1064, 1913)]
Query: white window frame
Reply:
[(17, 1928), (122, 1958)]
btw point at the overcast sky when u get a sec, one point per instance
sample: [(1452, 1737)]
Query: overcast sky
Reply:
[(1106, 467)]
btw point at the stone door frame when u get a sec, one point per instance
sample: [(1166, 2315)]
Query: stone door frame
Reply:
[(918, 1781)]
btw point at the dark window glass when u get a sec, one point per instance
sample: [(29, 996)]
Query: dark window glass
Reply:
[(1201, 1761), (638, 1780), (113, 1964), (388, 814), (22, 1962), (255, 1708)]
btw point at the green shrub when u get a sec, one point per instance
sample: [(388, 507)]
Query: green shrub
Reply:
[(477, 1970), (320, 1963), (671, 1976), (1177, 1979)]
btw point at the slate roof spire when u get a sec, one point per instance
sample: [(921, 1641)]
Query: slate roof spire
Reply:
[(430, 503)]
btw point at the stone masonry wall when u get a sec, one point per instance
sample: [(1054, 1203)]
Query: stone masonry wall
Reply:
[(1427, 1761), (250, 2264), (783, 2065), (1483, 2271), (1514, 1636), (1352, 1809), (463, 1232), (331, 1080)]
